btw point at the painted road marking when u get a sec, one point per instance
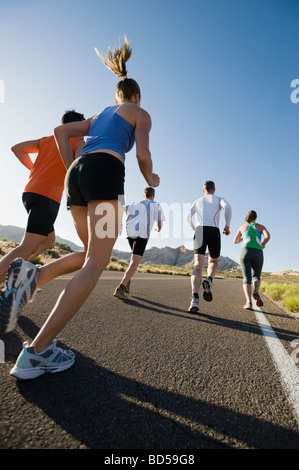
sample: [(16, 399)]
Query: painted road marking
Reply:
[(286, 367)]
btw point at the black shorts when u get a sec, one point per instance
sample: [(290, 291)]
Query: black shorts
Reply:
[(207, 237), (42, 213), (94, 177), (137, 245)]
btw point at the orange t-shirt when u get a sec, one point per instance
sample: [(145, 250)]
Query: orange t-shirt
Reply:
[(48, 172)]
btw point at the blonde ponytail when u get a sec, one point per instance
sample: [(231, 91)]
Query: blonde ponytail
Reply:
[(116, 59)]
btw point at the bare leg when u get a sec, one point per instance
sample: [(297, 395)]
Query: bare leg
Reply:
[(196, 276), (212, 267), (247, 292), (256, 285), (72, 262), (65, 265), (132, 268), (83, 283), (30, 247)]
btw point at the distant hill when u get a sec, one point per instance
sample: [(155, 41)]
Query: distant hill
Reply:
[(169, 256), (16, 233), (175, 257)]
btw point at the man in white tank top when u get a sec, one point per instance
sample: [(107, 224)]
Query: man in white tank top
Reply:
[(207, 235), (140, 218)]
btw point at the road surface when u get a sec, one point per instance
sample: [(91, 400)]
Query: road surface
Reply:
[(149, 375)]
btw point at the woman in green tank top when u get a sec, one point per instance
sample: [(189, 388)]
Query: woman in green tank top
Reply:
[(251, 256)]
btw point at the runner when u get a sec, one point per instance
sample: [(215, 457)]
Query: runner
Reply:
[(207, 235), (94, 185), (252, 256), (140, 220), (42, 193)]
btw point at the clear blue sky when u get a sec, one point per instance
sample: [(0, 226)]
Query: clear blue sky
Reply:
[(215, 76)]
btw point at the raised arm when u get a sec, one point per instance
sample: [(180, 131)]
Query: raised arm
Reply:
[(238, 237), (23, 149), (143, 154), (62, 135)]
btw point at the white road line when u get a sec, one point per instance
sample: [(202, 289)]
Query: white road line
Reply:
[(286, 367)]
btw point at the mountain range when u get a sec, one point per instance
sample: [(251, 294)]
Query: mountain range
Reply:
[(179, 256)]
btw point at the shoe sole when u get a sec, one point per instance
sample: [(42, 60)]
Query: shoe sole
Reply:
[(247, 307), (120, 296), (33, 373), (17, 303), (207, 295), (193, 310), (259, 302)]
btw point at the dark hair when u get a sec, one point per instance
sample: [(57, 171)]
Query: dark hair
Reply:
[(116, 62), (209, 186), (127, 88), (250, 217), (71, 116), (149, 192)]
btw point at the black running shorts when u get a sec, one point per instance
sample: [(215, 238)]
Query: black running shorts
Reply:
[(94, 176), (42, 213), (207, 237), (137, 245)]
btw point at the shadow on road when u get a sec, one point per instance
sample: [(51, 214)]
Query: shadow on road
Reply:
[(101, 409), (146, 304)]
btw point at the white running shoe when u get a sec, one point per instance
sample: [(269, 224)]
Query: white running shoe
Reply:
[(20, 289), (30, 364), (194, 306)]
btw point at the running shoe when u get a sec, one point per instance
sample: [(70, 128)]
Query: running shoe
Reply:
[(30, 364), (194, 306), (127, 287), (256, 296), (20, 289), (120, 292), (207, 294), (248, 306)]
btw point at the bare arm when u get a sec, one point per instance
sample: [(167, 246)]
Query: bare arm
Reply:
[(189, 216), (62, 135), (228, 216), (159, 225), (78, 148), (142, 130), (23, 149), (265, 233), (238, 237)]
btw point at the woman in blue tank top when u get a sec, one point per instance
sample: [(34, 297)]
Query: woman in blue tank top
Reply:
[(94, 188), (251, 256)]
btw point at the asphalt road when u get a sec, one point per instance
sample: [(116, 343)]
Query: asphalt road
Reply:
[(149, 375)]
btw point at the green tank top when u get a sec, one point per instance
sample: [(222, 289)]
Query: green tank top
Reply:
[(252, 238)]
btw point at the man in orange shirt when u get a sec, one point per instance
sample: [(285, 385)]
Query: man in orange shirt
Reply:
[(42, 193)]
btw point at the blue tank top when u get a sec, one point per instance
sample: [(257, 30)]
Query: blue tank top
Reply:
[(110, 131)]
